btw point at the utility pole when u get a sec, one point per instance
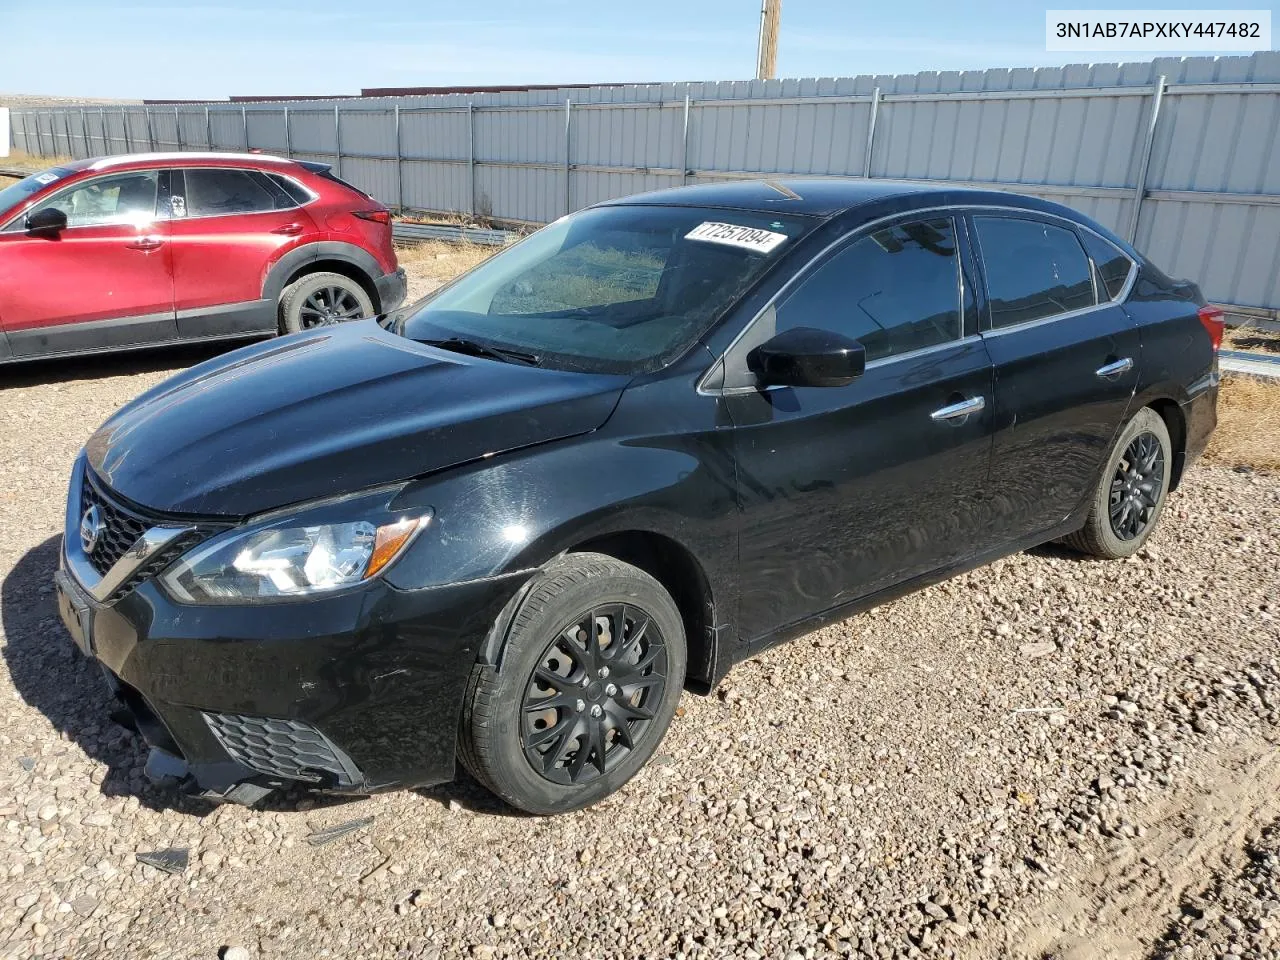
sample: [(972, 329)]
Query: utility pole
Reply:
[(767, 48)]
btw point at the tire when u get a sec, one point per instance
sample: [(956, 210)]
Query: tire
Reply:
[(501, 721), (306, 303), (1100, 536)]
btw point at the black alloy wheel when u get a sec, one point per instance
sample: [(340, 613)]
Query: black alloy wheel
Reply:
[(1136, 487), (329, 305), (592, 696)]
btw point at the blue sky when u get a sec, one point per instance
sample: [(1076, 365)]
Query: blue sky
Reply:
[(215, 48)]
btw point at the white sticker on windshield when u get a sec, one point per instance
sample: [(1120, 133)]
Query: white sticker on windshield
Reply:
[(733, 235), (46, 177)]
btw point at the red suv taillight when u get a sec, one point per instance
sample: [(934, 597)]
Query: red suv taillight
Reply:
[(1215, 323), (375, 216)]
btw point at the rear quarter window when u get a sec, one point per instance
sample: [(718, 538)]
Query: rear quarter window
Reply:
[(1111, 263)]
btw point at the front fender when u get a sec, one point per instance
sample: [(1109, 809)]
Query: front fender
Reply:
[(517, 512)]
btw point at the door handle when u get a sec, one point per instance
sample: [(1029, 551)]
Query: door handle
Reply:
[(1106, 371), (289, 229), (146, 244), (953, 411)]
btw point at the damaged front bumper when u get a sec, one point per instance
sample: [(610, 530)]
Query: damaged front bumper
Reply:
[(356, 692)]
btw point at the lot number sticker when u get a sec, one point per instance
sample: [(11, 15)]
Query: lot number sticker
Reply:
[(733, 235)]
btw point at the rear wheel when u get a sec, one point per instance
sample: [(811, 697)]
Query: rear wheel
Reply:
[(587, 685), (321, 300), (1132, 492)]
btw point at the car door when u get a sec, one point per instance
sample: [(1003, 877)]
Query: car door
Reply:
[(845, 491), (228, 226), (105, 280), (1066, 364)]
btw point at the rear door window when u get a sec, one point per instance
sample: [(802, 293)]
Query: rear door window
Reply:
[(1034, 270), (211, 192)]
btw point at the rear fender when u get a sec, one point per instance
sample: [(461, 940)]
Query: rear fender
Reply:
[(278, 273)]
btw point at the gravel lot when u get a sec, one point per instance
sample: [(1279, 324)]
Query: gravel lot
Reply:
[(1049, 757)]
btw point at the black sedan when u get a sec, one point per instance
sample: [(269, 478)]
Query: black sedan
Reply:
[(510, 523)]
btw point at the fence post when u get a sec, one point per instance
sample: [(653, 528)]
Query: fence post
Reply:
[(568, 124), (244, 125), (208, 129), (39, 136), (288, 135), (684, 146), (1157, 95), (399, 166), (151, 134), (337, 140), (177, 128), (106, 140), (128, 139), (84, 132), (471, 152), (66, 124), (871, 131)]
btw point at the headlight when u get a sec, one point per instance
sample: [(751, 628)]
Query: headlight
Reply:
[(304, 553)]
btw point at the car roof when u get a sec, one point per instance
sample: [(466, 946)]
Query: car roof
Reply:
[(822, 196)]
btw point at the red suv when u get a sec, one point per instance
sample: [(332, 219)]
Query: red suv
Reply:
[(149, 249)]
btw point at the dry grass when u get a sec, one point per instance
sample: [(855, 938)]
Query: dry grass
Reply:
[(1252, 338), (1248, 433), (18, 160), (434, 262)]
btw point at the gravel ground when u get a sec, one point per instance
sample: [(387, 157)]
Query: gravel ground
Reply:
[(1008, 764)]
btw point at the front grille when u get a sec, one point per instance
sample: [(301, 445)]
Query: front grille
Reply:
[(158, 561), (123, 527), (283, 748)]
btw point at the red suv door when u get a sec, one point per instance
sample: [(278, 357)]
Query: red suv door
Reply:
[(228, 226), (104, 280)]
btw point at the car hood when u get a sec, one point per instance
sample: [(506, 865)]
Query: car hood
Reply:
[(329, 413)]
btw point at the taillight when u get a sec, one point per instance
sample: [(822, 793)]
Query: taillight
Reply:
[(1215, 323), (375, 216)]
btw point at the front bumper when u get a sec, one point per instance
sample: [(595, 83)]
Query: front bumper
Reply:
[(354, 692), (391, 289)]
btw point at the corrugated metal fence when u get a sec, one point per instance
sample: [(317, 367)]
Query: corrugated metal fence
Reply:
[(1180, 155)]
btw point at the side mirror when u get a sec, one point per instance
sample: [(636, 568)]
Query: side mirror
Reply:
[(48, 220), (805, 357)]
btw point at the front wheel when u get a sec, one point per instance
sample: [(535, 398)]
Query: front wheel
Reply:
[(1132, 492), (321, 300), (588, 683)]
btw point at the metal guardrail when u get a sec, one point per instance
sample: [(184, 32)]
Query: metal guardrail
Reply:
[(417, 232), (1254, 364)]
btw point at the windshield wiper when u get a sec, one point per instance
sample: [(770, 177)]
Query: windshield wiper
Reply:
[(475, 348)]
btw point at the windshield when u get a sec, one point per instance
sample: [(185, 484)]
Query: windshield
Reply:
[(18, 193), (622, 289)]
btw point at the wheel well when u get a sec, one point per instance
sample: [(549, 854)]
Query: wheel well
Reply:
[(681, 576), (347, 269), (1173, 419)]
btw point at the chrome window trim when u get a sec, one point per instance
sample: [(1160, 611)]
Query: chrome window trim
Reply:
[(238, 213), (1041, 321), (31, 205), (706, 391)]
